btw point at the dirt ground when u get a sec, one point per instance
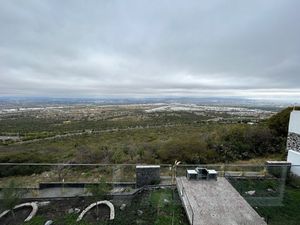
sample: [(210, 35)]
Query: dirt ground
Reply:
[(58, 208)]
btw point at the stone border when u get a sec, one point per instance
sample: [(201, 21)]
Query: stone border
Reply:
[(108, 203), (293, 141), (33, 205)]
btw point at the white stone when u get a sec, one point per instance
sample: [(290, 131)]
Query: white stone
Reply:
[(250, 193), (70, 211), (73, 210), (77, 210), (33, 212), (4, 213), (43, 203), (122, 207), (49, 222), (166, 201), (140, 212), (34, 206)]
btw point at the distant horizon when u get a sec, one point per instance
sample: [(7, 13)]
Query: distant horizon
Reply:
[(187, 99)]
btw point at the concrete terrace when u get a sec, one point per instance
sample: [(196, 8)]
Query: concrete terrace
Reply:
[(211, 202)]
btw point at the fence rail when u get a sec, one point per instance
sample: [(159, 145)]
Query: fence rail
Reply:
[(183, 196)]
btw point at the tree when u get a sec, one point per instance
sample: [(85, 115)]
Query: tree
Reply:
[(99, 191)]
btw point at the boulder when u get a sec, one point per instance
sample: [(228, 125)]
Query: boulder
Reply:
[(43, 203), (140, 212), (70, 211), (166, 201), (250, 193), (77, 210), (74, 210), (122, 207), (49, 222)]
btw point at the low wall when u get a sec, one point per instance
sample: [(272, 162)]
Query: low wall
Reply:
[(147, 175), (82, 184), (294, 158)]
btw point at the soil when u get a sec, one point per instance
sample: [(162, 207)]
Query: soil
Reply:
[(141, 209), (102, 213), (57, 209)]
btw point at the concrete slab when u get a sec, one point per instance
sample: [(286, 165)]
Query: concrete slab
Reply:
[(215, 202)]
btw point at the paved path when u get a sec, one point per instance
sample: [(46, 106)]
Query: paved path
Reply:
[(215, 203)]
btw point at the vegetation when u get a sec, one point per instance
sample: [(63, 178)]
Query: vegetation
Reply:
[(280, 121), (191, 144), (206, 140), (161, 137), (286, 210), (288, 213), (166, 207), (139, 137), (157, 207), (99, 192), (11, 196), (69, 219)]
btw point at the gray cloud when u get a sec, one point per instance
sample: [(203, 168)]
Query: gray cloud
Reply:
[(141, 48)]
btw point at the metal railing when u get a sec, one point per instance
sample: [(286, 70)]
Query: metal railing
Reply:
[(183, 195)]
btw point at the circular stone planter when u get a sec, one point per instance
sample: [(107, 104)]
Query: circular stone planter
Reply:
[(105, 202), (33, 212)]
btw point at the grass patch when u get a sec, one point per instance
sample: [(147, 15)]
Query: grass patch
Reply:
[(288, 213), (157, 207), (270, 204)]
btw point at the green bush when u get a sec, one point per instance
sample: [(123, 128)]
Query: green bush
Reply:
[(6, 171)]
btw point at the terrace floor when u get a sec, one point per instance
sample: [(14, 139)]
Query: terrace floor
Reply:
[(215, 202)]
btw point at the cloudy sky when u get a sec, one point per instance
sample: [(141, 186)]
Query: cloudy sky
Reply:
[(150, 48)]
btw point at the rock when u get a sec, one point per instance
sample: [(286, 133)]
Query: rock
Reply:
[(46, 175), (140, 212), (250, 193), (49, 222), (122, 207), (43, 203), (70, 211), (166, 201), (77, 210)]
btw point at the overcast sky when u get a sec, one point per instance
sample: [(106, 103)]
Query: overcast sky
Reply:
[(150, 48)]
